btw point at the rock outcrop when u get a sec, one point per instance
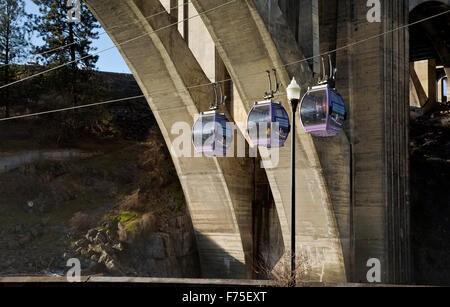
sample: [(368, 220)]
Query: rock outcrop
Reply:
[(170, 253)]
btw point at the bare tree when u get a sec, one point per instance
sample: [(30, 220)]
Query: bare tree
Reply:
[(281, 273)]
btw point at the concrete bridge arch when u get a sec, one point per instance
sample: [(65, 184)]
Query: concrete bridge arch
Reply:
[(221, 215), (353, 189), (415, 3)]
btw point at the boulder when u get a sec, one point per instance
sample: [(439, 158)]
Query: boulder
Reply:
[(100, 237), (80, 243), (118, 247), (91, 234), (94, 249), (104, 257)]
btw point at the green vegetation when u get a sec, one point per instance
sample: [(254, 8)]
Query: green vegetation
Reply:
[(13, 43), (56, 30), (72, 85), (125, 218)]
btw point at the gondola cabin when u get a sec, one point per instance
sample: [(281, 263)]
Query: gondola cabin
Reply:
[(268, 124), (212, 134), (322, 111)]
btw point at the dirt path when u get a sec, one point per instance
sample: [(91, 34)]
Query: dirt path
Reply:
[(12, 160)]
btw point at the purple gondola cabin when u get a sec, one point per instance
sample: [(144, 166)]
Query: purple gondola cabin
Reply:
[(212, 134), (268, 124), (322, 111)]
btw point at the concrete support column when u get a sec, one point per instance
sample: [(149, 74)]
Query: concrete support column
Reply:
[(373, 79), (447, 73), (396, 134), (441, 87), (308, 32), (302, 16), (432, 82), (424, 79), (418, 95), (174, 10)]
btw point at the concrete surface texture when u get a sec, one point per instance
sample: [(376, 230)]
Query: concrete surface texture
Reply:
[(352, 189), (253, 51)]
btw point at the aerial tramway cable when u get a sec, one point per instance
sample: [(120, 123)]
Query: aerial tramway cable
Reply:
[(115, 46), (101, 33), (221, 81)]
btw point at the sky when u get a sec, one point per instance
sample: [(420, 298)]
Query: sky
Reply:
[(110, 60)]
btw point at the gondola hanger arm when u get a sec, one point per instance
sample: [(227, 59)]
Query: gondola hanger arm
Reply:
[(214, 106), (218, 102), (271, 93), (327, 77), (223, 98)]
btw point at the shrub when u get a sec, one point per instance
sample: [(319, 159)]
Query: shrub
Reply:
[(147, 223), (281, 273)]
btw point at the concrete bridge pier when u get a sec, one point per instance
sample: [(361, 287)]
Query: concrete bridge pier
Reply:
[(373, 79), (366, 167)]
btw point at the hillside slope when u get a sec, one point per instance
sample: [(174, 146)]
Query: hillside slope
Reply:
[(114, 201)]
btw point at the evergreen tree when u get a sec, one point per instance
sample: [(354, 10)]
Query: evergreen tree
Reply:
[(56, 30), (14, 31), (76, 82)]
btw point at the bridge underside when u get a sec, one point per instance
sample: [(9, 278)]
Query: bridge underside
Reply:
[(352, 189)]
